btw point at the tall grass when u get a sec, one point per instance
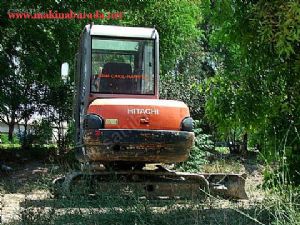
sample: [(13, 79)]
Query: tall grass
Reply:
[(283, 200)]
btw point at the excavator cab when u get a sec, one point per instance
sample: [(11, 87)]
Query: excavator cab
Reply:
[(123, 66)]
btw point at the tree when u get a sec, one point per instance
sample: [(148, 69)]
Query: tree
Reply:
[(58, 103), (176, 22), (256, 85), (17, 92), (29, 62), (184, 82)]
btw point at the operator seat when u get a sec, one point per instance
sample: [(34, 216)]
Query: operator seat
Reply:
[(116, 84)]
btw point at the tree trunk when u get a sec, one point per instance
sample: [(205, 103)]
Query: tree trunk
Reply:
[(60, 141), (25, 126), (25, 143), (245, 143), (11, 127)]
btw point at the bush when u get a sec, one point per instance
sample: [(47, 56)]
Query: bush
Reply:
[(4, 139), (199, 152), (40, 134)]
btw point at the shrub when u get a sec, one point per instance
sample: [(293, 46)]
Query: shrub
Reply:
[(4, 139), (199, 152), (42, 132)]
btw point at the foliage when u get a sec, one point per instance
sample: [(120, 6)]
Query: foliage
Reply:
[(253, 80), (286, 169), (184, 89), (70, 134), (282, 202), (5, 140), (256, 85), (176, 22), (183, 83), (58, 109), (18, 94), (199, 152), (42, 132)]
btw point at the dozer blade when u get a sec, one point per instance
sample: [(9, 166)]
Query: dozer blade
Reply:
[(152, 184), (230, 186)]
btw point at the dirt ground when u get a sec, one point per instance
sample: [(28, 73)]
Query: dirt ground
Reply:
[(29, 183), (19, 185)]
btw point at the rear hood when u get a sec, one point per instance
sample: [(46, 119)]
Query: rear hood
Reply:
[(153, 114)]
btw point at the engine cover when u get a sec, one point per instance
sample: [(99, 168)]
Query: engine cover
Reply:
[(152, 114)]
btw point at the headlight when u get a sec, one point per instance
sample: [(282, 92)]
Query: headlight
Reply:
[(92, 121), (187, 124)]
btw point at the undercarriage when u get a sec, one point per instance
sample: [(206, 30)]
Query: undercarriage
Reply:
[(158, 183)]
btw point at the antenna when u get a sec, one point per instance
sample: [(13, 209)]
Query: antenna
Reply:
[(91, 24), (153, 32)]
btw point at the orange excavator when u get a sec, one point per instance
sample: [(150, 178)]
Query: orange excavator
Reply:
[(122, 126)]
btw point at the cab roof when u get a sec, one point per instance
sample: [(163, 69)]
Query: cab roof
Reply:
[(119, 31)]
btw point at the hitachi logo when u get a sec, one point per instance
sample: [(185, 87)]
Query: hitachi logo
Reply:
[(144, 111)]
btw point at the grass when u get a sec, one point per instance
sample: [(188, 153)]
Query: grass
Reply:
[(9, 146), (280, 204), (223, 150), (113, 209), (224, 166), (77, 211), (110, 208)]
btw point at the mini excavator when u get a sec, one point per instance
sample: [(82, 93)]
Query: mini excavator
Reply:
[(122, 126)]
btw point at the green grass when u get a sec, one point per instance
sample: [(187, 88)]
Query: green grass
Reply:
[(223, 150), (224, 166), (9, 146)]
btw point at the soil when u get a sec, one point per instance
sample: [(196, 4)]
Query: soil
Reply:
[(15, 188)]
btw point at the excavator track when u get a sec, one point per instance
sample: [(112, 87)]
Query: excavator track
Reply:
[(151, 184)]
